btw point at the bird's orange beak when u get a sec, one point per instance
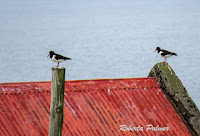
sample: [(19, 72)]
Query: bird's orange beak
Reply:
[(48, 55), (155, 50)]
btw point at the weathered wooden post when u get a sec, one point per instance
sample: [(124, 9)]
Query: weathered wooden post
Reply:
[(57, 100), (174, 89)]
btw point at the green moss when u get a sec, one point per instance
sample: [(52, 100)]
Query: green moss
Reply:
[(169, 75)]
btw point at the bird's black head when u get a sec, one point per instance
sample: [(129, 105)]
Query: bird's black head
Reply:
[(51, 53), (157, 49)]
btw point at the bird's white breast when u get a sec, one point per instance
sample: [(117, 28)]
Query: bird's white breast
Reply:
[(168, 55), (54, 59)]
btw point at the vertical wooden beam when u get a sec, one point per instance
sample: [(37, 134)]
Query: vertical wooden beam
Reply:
[(57, 101)]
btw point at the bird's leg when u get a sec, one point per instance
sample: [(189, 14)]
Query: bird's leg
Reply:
[(164, 60), (58, 64)]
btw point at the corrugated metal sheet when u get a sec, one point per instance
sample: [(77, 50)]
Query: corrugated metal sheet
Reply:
[(91, 107)]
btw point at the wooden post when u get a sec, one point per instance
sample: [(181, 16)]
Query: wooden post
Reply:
[(174, 89), (57, 101)]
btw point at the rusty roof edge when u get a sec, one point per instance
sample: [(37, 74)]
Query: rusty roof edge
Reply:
[(114, 79), (49, 91), (37, 89), (14, 83), (76, 80), (107, 88)]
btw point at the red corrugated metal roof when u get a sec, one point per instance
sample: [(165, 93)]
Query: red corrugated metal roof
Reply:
[(91, 107)]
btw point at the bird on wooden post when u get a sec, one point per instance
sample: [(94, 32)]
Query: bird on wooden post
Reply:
[(57, 57), (164, 53)]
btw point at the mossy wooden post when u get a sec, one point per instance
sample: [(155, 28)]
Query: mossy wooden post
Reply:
[(57, 100), (174, 89)]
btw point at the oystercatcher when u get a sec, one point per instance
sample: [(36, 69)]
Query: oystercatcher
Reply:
[(164, 53), (57, 57)]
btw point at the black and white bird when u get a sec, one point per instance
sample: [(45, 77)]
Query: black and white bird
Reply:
[(164, 53), (57, 57)]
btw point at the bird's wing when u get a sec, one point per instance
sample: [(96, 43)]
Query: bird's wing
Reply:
[(165, 52), (58, 56)]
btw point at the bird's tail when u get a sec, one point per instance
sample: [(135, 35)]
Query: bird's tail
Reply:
[(68, 58), (174, 54)]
